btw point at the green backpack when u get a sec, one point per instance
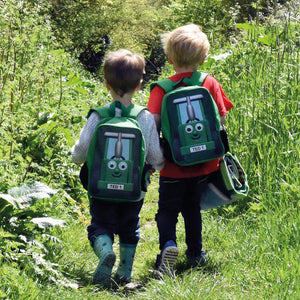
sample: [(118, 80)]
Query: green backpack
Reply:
[(190, 121), (116, 155)]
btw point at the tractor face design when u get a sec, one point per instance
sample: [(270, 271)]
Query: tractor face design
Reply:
[(192, 126), (117, 165)]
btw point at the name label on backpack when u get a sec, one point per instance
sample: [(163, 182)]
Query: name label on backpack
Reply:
[(198, 148), (113, 186)]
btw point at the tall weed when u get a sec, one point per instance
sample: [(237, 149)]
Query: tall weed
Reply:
[(262, 79)]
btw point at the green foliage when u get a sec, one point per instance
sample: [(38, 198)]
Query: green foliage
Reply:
[(209, 15), (82, 25), (38, 82), (217, 18), (138, 26), (253, 245), (27, 233), (264, 84)]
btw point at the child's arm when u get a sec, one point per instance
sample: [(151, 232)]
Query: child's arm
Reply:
[(223, 120), (80, 149), (157, 120), (154, 105), (154, 155)]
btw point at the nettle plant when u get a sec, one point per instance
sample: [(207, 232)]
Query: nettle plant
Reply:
[(28, 234)]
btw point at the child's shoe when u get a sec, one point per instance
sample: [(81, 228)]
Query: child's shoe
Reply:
[(166, 259), (198, 260), (103, 249)]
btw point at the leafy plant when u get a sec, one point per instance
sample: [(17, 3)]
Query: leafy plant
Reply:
[(38, 82), (26, 232)]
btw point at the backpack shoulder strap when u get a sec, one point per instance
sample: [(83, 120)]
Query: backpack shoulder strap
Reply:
[(197, 78), (108, 112), (103, 111), (131, 111), (168, 85), (135, 110)]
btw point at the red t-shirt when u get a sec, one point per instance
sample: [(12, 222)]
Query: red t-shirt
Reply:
[(224, 105)]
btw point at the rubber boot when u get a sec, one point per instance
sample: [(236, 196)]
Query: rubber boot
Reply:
[(124, 271), (103, 249)]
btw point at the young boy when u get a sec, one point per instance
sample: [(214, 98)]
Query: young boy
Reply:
[(123, 73), (181, 186)]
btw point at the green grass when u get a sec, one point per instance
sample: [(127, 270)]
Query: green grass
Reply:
[(249, 257)]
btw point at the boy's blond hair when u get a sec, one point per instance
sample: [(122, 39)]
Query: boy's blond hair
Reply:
[(123, 71), (186, 46)]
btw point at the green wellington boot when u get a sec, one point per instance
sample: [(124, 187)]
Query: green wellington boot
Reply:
[(103, 249), (124, 271)]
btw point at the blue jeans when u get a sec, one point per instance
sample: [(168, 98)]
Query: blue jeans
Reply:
[(181, 196), (110, 218)]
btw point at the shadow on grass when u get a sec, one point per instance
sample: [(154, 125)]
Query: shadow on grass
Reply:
[(143, 277), (84, 278), (182, 267), (80, 276)]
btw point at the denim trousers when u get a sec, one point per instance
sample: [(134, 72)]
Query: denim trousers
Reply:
[(181, 196), (110, 218)]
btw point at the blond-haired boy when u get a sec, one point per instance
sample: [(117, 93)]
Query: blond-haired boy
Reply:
[(181, 186)]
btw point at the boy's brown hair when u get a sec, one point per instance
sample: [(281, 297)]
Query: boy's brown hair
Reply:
[(186, 46), (123, 71)]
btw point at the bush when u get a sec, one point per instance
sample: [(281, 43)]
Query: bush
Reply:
[(89, 29)]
